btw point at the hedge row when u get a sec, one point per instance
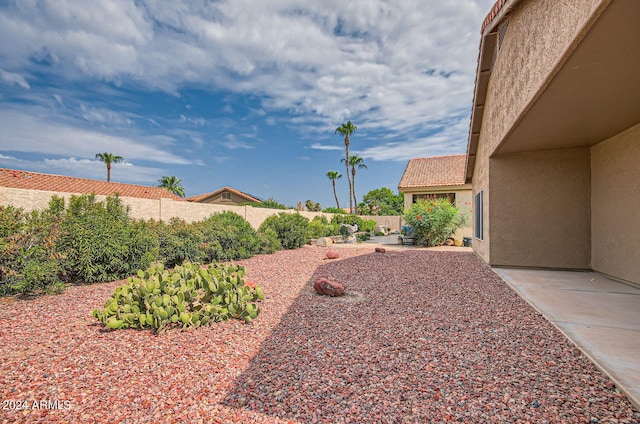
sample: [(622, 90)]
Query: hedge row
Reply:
[(90, 241)]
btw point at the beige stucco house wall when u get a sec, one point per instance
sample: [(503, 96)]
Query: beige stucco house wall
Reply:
[(554, 138)]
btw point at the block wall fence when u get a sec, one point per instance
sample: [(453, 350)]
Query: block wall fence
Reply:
[(165, 209)]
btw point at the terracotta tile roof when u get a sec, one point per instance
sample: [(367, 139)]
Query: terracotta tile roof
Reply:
[(201, 197), (492, 14), (63, 184), (435, 171)]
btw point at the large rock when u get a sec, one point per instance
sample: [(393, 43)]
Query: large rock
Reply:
[(331, 255), (325, 286), (380, 249), (324, 242)]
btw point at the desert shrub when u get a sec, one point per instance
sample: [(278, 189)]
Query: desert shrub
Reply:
[(433, 221), (269, 204), (29, 260), (364, 225), (268, 240), (227, 236), (187, 296), (333, 209), (290, 228), (321, 227), (102, 243), (178, 241)]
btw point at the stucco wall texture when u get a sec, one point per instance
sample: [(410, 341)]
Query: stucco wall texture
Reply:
[(540, 214), (615, 206), (538, 36)]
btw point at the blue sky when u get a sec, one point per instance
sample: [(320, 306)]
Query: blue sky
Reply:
[(240, 93)]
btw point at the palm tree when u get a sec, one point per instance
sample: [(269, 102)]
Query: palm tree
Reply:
[(173, 184), (333, 176), (355, 162), (108, 159), (346, 130)]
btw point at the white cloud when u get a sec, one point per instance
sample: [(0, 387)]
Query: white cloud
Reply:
[(35, 130), (396, 64), (12, 78)]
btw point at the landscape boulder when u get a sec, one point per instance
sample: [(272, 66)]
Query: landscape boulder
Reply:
[(380, 249), (324, 242), (331, 255), (331, 288)]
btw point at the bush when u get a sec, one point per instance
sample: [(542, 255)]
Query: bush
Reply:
[(268, 204), (321, 227), (29, 261), (334, 210), (364, 225), (178, 241), (187, 296), (227, 236), (269, 242), (433, 221), (290, 228), (102, 243)]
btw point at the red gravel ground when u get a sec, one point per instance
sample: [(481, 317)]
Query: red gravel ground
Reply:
[(421, 336)]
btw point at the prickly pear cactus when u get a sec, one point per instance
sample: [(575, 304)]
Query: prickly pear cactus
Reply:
[(186, 296)]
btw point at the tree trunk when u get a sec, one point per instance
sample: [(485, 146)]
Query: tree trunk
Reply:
[(108, 172), (335, 194), (346, 162)]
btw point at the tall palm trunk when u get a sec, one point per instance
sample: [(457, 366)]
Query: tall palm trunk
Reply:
[(346, 162), (335, 194), (353, 190), (108, 172)]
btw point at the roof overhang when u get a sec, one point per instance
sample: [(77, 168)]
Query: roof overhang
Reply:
[(590, 96)]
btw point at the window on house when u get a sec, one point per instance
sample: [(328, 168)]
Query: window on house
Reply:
[(478, 216), (226, 196), (450, 196)]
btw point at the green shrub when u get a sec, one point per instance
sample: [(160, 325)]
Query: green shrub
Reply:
[(433, 221), (333, 209), (187, 296), (102, 243), (268, 239), (290, 228), (364, 225), (227, 236), (178, 241), (321, 227), (29, 260), (268, 204)]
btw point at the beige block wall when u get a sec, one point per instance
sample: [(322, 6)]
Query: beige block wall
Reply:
[(540, 209), (539, 35), (165, 209), (615, 206)]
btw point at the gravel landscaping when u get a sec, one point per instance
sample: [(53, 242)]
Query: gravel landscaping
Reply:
[(420, 336)]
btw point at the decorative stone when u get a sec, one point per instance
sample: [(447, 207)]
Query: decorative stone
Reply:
[(331, 255), (380, 249), (324, 242), (325, 286)]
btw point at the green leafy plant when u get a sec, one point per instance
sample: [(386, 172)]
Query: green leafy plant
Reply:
[(102, 243), (187, 296), (178, 241), (290, 228), (433, 221), (227, 236), (29, 260), (364, 225), (321, 227)]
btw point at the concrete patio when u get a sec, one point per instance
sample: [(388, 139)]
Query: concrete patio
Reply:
[(599, 315)]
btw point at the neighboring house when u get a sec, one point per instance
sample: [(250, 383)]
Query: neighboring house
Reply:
[(19, 184), (224, 196), (554, 141), (438, 177)]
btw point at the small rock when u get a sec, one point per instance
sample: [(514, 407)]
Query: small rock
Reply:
[(331, 255), (324, 242), (325, 286), (380, 249)]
